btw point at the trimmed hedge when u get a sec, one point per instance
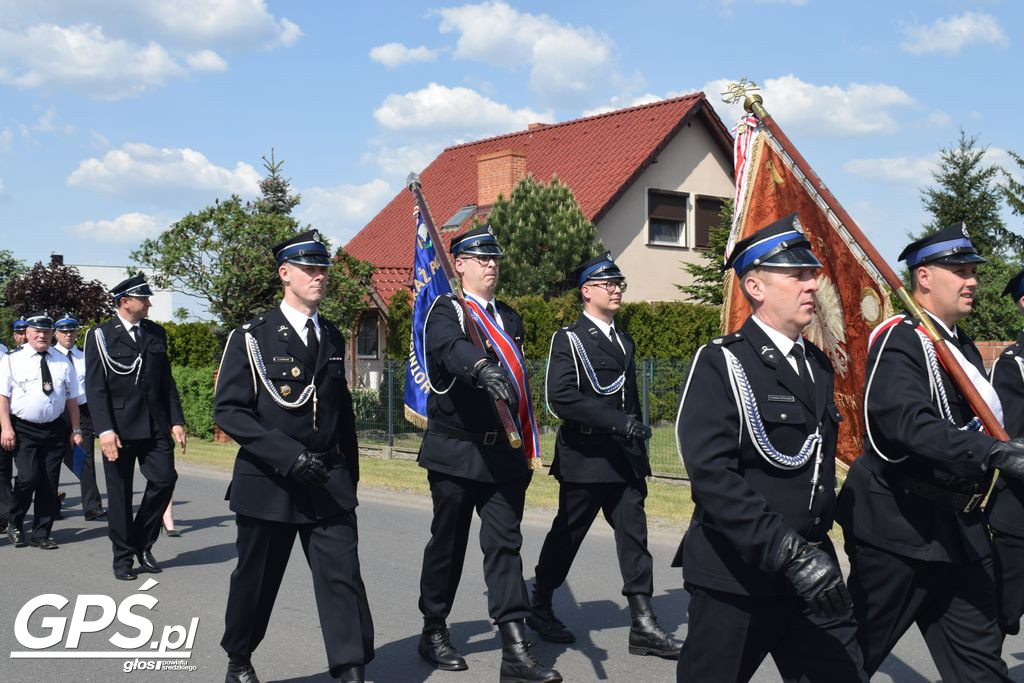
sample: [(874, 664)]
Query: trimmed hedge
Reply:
[(194, 345), (195, 387)]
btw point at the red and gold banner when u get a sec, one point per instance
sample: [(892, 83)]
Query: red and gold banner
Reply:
[(851, 298)]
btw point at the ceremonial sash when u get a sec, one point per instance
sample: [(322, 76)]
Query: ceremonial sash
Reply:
[(512, 360)]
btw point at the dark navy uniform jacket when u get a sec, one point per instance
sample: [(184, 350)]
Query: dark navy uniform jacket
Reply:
[(451, 358), (272, 437), (904, 423), (1006, 509), (745, 504), (131, 406), (604, 454)]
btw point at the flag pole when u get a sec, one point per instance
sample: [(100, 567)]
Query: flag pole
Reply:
[(472, 331), (754, 104)]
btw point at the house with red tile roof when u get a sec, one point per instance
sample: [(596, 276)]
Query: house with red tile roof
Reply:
[(651, 178)]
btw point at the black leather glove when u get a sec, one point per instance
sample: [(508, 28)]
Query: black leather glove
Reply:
[(492, 377), (309, 470), (635, 429), (815, 576), (1008, 456)]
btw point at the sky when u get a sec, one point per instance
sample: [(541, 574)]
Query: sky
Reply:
[(119, 117)]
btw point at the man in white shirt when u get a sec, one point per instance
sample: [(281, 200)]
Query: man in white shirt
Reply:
[(37, 385)]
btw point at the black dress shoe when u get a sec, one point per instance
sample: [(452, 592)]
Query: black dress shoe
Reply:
[(351, 673), (435, 646), (43, 543), (95, 513), (124, 573), (147, 563), (16, 536), (241, 672), (542, 619)]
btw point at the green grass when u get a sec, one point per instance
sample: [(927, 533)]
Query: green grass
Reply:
[(667, 503)]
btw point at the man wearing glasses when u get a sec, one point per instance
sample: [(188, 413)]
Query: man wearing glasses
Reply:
[(600, 459), (471, 465)]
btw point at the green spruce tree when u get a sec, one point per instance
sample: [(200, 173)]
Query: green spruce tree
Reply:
[(708, 286)]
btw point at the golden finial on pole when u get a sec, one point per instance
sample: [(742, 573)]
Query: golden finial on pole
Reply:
[(745, 90)]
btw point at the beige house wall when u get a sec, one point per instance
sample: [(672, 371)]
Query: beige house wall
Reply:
[(692, 163)]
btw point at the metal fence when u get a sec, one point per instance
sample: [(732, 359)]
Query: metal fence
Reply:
[(380, 412)]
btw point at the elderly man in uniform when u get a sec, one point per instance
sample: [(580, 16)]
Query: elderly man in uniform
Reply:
[(67, 335), (600, 459), (282, 396), (1005, 511), (135, 410), (470, 465), (37, 385), (915, 534), (757, 431)]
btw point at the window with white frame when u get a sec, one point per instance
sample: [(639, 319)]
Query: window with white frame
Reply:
[(666, 217)]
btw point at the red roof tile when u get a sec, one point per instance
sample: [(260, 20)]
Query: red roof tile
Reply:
[(598, 157)]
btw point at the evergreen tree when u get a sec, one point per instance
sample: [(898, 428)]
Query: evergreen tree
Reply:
[(544, 235), (276, 190), (708, 285), (1013, 191)]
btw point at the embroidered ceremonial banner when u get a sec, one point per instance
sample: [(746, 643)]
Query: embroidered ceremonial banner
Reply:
[(851, 297), (428, 284)]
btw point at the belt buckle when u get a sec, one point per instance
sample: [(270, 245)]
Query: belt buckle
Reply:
[(586, 429), (490, 438), (972, 502)]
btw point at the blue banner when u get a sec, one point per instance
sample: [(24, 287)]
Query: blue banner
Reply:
[(428, 283)]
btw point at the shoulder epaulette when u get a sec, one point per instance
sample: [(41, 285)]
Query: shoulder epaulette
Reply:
[(258, 320), (15, 349), (727, 339), (1012, 350)]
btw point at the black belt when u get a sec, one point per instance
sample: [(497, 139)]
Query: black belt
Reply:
[(486, 438), (586, 430), (15, 420), (964, 502)]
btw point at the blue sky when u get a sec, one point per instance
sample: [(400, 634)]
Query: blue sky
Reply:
[(118, 117)]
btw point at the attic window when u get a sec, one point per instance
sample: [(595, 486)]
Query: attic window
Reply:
[(460, 217)]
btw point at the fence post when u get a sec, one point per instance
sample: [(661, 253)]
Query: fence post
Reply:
[(647, 390), (390, 364)]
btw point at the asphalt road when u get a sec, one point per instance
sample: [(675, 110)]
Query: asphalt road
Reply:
[(393, 530)]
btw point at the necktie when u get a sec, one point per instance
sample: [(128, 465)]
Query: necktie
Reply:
[(134, 332), (490, 311), (312, 343), (801, 369), (44, 370), (614, 337)]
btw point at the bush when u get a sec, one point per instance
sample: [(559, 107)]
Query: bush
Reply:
[(195, 387), (193, 345)]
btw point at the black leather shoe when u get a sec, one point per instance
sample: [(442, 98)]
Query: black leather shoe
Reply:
[(542, 619), (147, 563), (646, 637), (240, 672), (124, 573), (43, 543), (16, 536), (518, 665), (436, 647), (351, 673), (95, 513)]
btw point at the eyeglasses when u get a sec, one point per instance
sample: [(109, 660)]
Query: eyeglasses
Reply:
[(610, 285), (483, 260)]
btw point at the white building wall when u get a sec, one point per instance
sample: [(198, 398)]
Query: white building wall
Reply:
[(162, 301)]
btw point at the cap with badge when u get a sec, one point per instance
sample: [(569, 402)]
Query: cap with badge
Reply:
[(135, 286), (39, 321), (305, 249), (1015, 287), (66, 324), (600, 267), (19, 325), (951, 246), (781, 244), (476, 242)]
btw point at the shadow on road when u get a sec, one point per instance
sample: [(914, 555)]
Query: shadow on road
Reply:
[(399, 661)]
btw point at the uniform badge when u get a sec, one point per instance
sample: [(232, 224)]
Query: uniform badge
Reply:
[(296, 372), (286, 390), (47, 387), (282, 328)]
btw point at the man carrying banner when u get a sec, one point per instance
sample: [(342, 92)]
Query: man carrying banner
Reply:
[(910, 508), (756, 430), (470, 463), (600, 459)]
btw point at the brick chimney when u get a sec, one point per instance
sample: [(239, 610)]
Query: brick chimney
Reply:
[(56, 259), (497, 173)]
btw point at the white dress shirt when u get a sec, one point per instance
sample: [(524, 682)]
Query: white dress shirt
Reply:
[(606, 329), (784, 344), (128, 327), (297, 319), (78, 359), (21, 381)]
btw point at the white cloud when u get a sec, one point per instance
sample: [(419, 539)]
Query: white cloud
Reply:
[(206, 60), (917, 170), (47, 123), (126, 228), (939, 119), (619, 102), (341, 211), (566, 63), (392, 55), (4, 197), (951, 36), (99, 140), (6, 136), (856, 110), (139, 171), (462, 111), (398, 162)]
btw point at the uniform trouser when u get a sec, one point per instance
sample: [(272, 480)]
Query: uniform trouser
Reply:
[(500, 507), (87, 481), (6, 489), (331, 548), (156, 462), (623, 508), (953, 605), (37, 452), (730, 635), (1008, 563)]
